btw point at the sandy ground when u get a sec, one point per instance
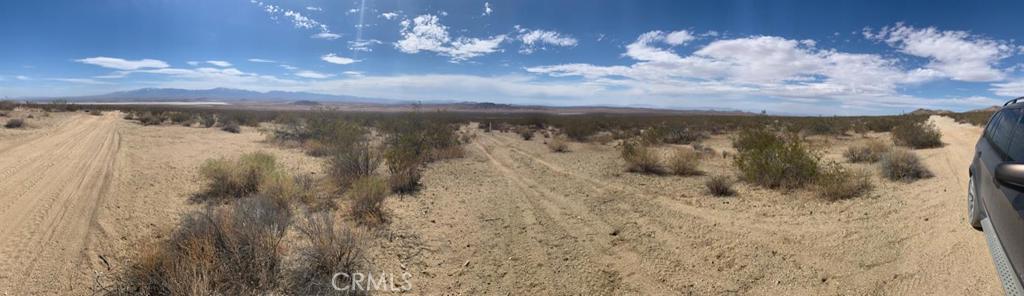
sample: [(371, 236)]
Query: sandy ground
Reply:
[(514, 218), (79, 192)]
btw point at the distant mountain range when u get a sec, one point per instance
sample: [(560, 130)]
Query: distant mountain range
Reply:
[(225, 95)]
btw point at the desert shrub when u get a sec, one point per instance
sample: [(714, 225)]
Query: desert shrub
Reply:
[(330, 249), (666, 134), (424, 137), (207, 120), (640, 158), (345, 165), (231, 127), (150, 119), (526, 134), (558, 144), (129, 116), (287, 189), (774, 161), (870, 151), (96, 112), (7, 105), (229, 250), (15, 123), (903, 165), (684, 162), (917, 135), (238, 178), (977, 118), (367, 195), (404, 170), (580, 129), (720, 186), (836, 182)]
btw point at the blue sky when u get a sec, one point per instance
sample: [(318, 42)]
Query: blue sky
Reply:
[(807, 57)]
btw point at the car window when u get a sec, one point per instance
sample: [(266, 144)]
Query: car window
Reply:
[(992, 125), (1003, 133), (1016, 145)]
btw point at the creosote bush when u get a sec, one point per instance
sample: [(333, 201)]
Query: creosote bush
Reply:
[(773, 161), (403, 170), (241, 177), (526, 134), (346, 165), (231, 127), (903, 165), (684, 162), (330, 249), (917, 135), (836, 182), (870, 152), (720, 186), (367, 195), (15, 123), (640, 158)]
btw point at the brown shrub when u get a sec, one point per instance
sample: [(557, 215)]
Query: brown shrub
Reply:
[(231, 127), (404, 170), (684, 162), (345, 165), (330, 249), (720, 186), (15, 123), (836, 182), (870, 151), (640, 159), (903, 165), (558, 144), (241, 177), (526, 133), (368, 196)]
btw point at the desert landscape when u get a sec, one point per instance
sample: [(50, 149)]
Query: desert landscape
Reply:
[(93, 198)]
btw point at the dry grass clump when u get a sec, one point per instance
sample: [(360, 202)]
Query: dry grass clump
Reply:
[(150, 119), (917, 134), (720, 186), (241, 177), (96, 112), (403, 170), (870, 151), (346, 165), (368, 196), (640, 158), (773, 161), (684, 162), (526, 134), (903, 165), (227, 250), (15, 123), (836, 182), (330, 249), (558, 144)]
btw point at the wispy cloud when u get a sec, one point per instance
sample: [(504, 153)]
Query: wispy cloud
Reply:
[(219, 63), (123, 64), (298, 19), (325, 36), (955, 54), (426, 33), (389, 15), (312, 74), (335, 59), (534, 39), (255, 60), (487, 9)]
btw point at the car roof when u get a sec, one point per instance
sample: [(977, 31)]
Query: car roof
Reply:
[(1015, 103)]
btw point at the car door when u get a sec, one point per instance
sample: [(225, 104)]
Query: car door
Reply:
[(1003, 204)]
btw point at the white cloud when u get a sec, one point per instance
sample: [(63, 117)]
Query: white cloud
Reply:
[(335, 59), (314, 8), (312, 74), (80, 80), (325, 36), (255, 60), (1013, 88), (363, 45), (532, 39), (679, 37), (352, 11), (955, 54), (22, 77), (389, 15), (122, 64), (426, 33), (487, 8), (289, 67), (219, 63), (193, 63)]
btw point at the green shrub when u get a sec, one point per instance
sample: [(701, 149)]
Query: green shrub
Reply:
[(775, 162), (720, 186), (345, 165), (684, 162), (870, 151), (903, 165), (150, 119), (836, 182), (238, 178), (639, 158), (367, 195), (917, 135)]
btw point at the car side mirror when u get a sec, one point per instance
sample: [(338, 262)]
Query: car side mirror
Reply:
[(1010, 174)]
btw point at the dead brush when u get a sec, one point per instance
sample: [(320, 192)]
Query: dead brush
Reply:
[(346, 165), (15, 123), (640, 158), (557, 144), (684, 162), (870, 151), (836, 182), (403, 170), (720, 186), (329, 249), (238, 178), (230, 250), (367, 195)]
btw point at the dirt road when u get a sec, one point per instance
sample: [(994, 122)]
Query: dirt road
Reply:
[(51, 185), (514, 217)]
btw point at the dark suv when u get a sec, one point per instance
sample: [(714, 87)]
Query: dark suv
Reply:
[(995, 192)]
